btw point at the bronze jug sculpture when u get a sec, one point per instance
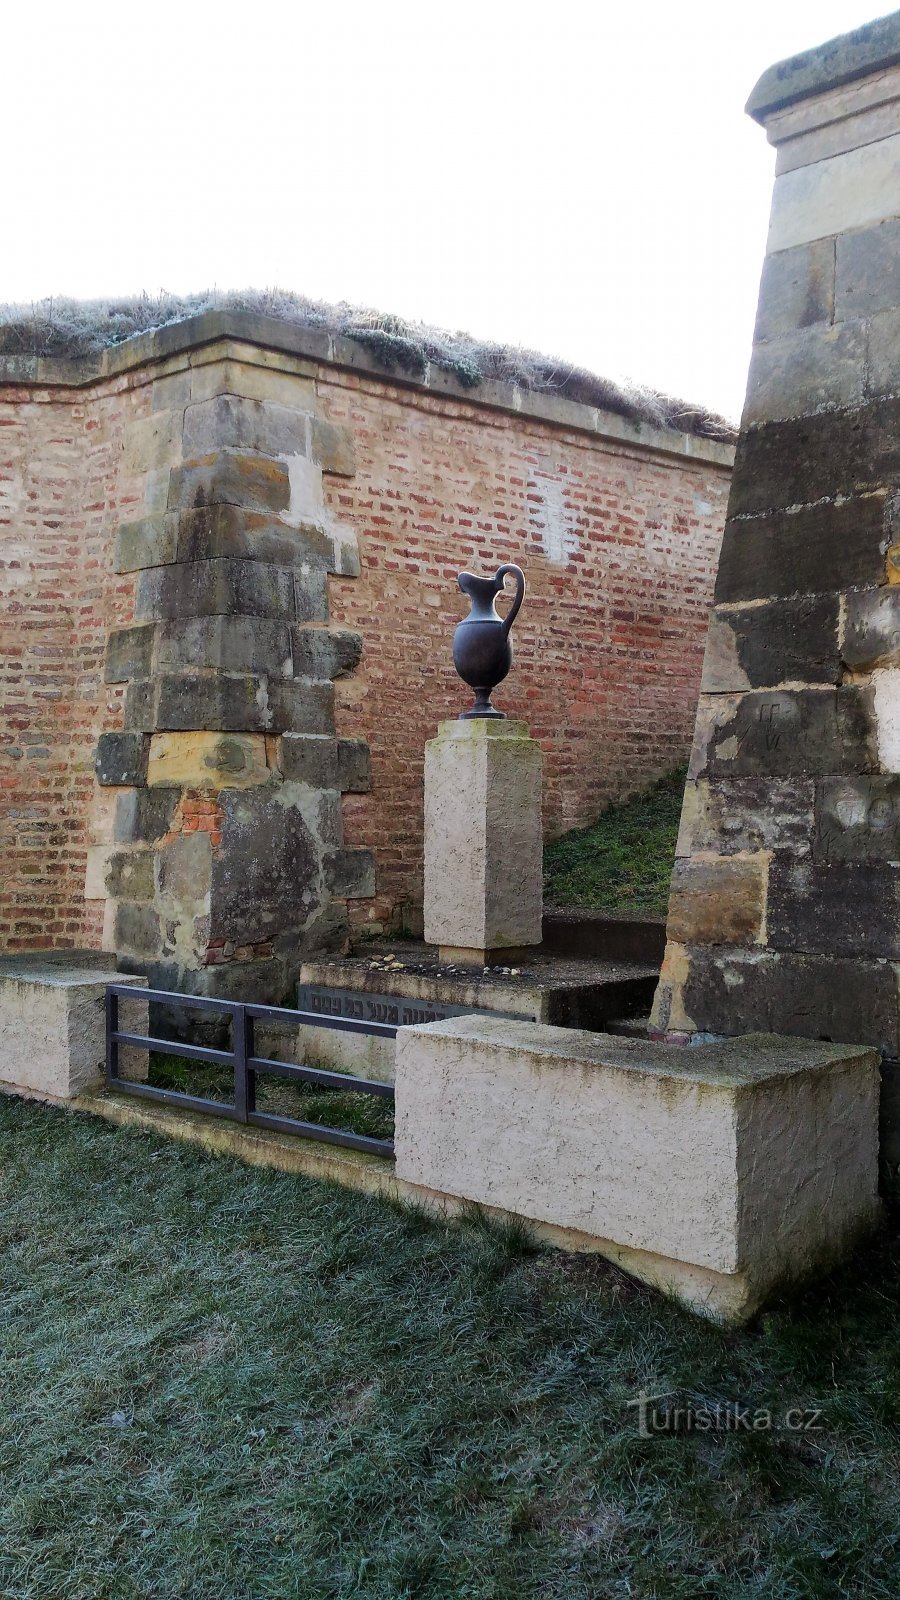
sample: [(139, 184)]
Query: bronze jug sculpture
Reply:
[(482, 652)]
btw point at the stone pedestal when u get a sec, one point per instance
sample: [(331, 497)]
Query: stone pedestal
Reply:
[(53, 1022), (483, 845)]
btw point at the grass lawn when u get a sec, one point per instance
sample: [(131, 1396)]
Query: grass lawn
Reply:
[(230, 1384), (623, 862)]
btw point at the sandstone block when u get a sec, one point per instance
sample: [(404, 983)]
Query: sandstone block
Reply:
[(121, 759), (350, 874), (300, 707), (151, 542), (354, 766), (483, 843), (254, 381), (796, 290), (53, 1024), (129, 653), (265, 875), (830, 546), (842, 999), (857, 818), (872, 628), (233, 422), (250, 481), (797, 373), (144, 815), (185, 869), (727, 816), (197, 760), (785, 733), (844, 908), (718, 900), (332, 447), (719, 1174), (867, 271), (129, 875), (311, 595), (761, 647), (884, 354), (136, 930), (326, 763), (810, 459), (325, 652), (218, 532), (226, 644), (153, 441), (856, 189), (139, 715), (229, 703), (216, 588)]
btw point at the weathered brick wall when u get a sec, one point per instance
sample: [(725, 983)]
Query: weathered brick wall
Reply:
[(136, 601), (619, 545), (64, 486)]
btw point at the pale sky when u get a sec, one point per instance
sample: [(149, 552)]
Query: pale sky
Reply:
[(578, 179)]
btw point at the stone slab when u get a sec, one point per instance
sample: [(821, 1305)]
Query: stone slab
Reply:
[(853, 190), (867, 50), (754, 1159), (808, 550), (53, 1023)]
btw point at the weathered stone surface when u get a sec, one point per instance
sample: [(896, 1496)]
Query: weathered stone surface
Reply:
[(144, 815), (354, 766), (325, 652), (783, 464), (253, 379), (785, 733), (718, 900), (129, 875), (222, 531), (813, 996), (884, 354), (249, 481), (856, 189), (760, 647), (326, 763), (872, 628), (266, 875), (483, 857), (137, 929), (202, 760), (852, 56), (231, 422), (129, 653), (796, 290), (834, 908), (185, 868), (121, 758), (151, 542), (52, 1021), (729, 815), (700, 1165), (857, 819), (311, 595), (350, 874), (226, 644), (216, 588), (139, 715), (805, 371), (301, 707), (152, 441), (867, 271), (213, 701), (332, 447), (822, 547)]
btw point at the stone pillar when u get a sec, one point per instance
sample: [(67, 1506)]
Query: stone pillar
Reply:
[(483, 846), (785, 906), (226, 862)]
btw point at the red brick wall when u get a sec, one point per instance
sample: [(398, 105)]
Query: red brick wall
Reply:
[(619, 546), (62, 494)]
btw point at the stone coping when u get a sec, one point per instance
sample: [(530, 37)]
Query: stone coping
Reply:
[(63, 968), (728, 1063), (314, 344), (867, 50)]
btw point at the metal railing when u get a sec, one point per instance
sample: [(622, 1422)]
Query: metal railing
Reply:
[(245, 1063)]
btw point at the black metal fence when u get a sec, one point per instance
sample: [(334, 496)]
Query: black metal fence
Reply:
[(245, 1063)]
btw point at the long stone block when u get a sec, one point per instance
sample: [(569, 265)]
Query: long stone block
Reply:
[(718, 900), (208, 760), (829, 546), (796, 290), (806, 370), (52, 1021), (867, 271), (129, 653), (845, 908), (226, 644), (718, 1173), (250, 481), (762, 647), (231, 422), (857, 818), (221, 531), (216, 588), (853, 190), (121, 759), (786, 733), (781, 464), (728, 816), (344, 765), (325, 652)]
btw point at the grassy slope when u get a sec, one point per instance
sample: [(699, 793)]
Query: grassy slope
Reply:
[(229, 1384), (624, 861)]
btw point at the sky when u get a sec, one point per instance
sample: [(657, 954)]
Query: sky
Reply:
[(579, 179)]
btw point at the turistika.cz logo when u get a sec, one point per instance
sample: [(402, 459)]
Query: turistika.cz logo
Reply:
[(671, 1413)]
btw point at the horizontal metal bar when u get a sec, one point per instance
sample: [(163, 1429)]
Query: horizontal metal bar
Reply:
[(173, 1047), (173, 1097), (314, 1019), (311, 1130), (190, 1002), (329, 1080)]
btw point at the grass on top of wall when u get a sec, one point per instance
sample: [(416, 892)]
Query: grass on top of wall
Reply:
[(623, 861), (226, 1383)]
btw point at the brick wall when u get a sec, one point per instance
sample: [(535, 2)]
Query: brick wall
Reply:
[(64, 488), (619, 545), (618, 537)]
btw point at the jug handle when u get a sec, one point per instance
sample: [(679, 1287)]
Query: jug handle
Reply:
[(513, 611)]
